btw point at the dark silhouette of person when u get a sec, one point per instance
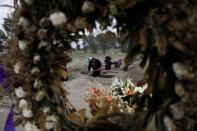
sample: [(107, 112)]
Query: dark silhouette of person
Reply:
[(95, 64), (118, 64), (108, 63)]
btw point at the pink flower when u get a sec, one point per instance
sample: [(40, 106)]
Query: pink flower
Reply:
[(94, 90)]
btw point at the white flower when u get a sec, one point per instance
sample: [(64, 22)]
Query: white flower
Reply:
[(46, 109), (100, 105), (35, 70), (23, 21), (88, 7), (27, 113), (36, 58), (37, 83), (58, 18), (115, 81), (115, 93), (20, 93), (51, 122), (22, 44), (139, 90), (17, 67), (122, 84), (23, 104), (129, 82), (29, 2), (39, 95), (145, 86), (30, 127)]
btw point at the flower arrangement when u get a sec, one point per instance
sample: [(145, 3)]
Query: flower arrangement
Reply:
[(128, 91), (124, 88), (97, 99), (123, 96)]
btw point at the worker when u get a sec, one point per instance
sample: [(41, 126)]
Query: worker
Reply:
[(108, 63), (95, 64)]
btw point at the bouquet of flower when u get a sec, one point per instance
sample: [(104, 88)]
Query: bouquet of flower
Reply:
[(123, 96), (127, 91), (97, 99)]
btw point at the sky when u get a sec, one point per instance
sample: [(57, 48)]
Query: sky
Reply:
[(5, 10)]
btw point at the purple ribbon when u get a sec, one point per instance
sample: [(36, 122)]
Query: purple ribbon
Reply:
[(9, 125)]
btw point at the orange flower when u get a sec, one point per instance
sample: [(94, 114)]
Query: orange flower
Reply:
[(108, 98), (130, 92)]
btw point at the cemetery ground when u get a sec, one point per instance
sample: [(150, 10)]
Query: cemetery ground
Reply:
[(79, 81)]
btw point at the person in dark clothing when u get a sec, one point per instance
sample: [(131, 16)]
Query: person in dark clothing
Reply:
[(108, 63), (95, 64), (118, 64)]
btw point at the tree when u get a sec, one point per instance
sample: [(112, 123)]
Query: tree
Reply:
[(102, 42), (92, 43), (7, 26), (106, 40)]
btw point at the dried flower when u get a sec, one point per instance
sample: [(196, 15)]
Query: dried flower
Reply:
[(30, 127), (46, 110), (22, 45), (23, 104), (58, 18), (42, 44), (179, 89), (51, 122), (169, 124), (39, 95), (108, 98), (42, 33), (20, 93), (23, 22), (37, 83), (177, 111), (181, 71), (36, 58), (27, 113), (87, 7), (35, 70), (80, 22), (44, 22), (17, 67), (70, 27), (29, 2), (130, 110)]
